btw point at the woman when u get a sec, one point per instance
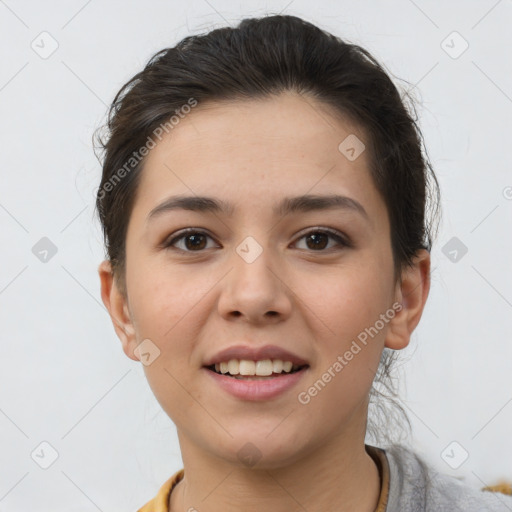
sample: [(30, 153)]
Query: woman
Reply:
[(263, 200)]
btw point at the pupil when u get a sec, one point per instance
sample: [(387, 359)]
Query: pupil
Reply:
[(315, 237), (195, 239)]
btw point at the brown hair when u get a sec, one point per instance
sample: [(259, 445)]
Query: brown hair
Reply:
[(258, 58)]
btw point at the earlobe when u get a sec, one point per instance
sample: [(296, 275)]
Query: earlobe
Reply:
[(117, 307), (412, 293)]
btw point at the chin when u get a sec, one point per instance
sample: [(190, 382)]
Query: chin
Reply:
[(260, 451)]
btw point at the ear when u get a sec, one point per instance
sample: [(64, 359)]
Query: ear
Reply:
[(117, 307), (412, 293)]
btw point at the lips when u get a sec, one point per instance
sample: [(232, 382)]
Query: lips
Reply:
[(265, 388), (254, 354)]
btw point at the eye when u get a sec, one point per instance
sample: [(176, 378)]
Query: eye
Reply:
[(195, 240), (319, 238), (195, 237)]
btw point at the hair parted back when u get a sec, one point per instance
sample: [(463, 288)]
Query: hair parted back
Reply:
[(260, 58)]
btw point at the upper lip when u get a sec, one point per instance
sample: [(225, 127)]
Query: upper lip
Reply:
[(255, 354)]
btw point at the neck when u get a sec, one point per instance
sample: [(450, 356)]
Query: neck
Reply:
[(339, 475)]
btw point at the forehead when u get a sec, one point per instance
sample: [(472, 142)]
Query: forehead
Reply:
[(255, 152), (289, 124)]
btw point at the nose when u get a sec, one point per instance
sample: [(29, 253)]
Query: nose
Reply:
[(254, 290)]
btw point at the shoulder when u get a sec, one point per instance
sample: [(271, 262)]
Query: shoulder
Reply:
[(416, 485), (160, 503)]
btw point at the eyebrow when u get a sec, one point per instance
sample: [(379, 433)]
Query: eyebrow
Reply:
[(288, 205)]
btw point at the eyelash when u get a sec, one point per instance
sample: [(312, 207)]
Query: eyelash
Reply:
[(340, 239)]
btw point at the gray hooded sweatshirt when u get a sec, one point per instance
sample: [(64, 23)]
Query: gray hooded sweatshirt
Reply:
[(416, 486)]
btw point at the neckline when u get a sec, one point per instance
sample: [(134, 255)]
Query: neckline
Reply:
[(381, 461), (376, 453)]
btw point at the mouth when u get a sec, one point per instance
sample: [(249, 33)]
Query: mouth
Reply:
[(241, 379), (248, 373)]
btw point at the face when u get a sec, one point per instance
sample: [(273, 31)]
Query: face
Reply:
[(309, 281)]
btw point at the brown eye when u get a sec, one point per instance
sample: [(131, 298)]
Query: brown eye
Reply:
[(317, 240), (193, 241)]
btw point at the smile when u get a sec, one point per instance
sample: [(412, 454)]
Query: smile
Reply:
[(241, 368), (243, 380)]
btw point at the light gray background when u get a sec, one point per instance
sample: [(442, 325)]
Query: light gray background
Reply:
[(64, 379)]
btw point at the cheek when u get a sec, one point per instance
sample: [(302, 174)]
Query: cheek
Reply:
[(336, 392), (350, 308), (170, 308), (164, 380), (349, 302), (163, 300), (348, 360)]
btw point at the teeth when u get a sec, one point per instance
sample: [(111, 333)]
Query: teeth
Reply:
[(247, 367), (265, 367), (278, 365), (287, 366), (233, 367), (262, 368)]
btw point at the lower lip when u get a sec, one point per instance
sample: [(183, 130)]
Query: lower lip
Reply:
[(257, 389)]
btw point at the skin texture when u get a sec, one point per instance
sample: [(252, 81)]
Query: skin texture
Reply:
[(311, 301)]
